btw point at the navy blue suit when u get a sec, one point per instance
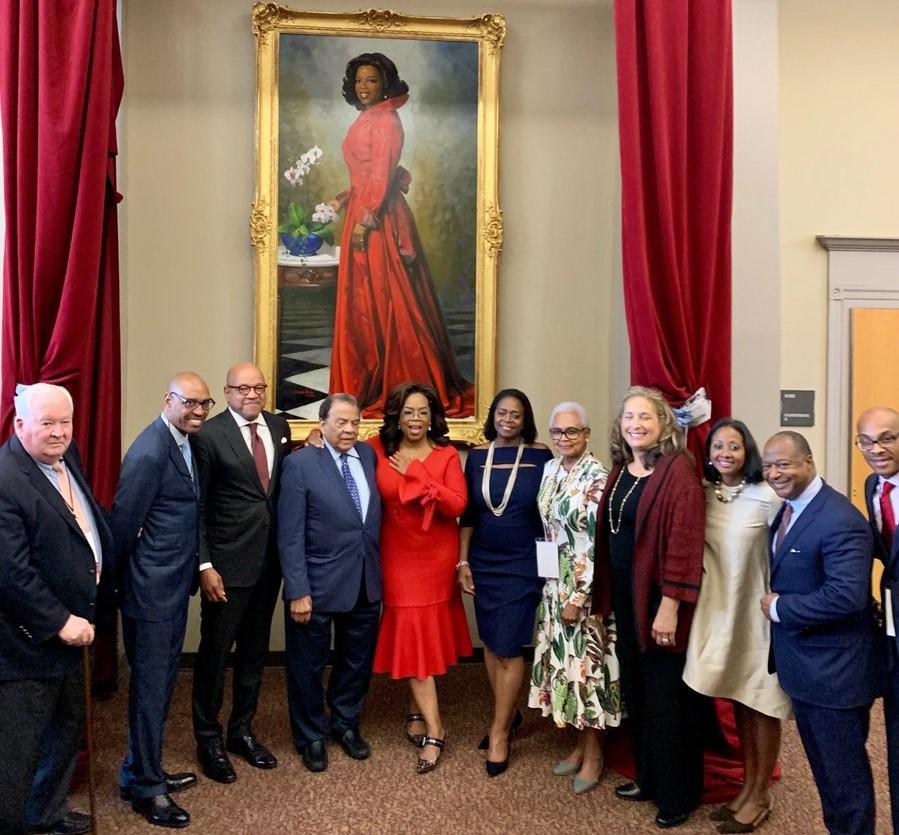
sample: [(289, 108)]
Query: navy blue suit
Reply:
[(47, 572), (825, 651), (329, 553), (888, 582), (155, 527)]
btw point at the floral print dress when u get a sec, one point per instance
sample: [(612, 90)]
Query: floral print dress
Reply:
[(575, 674)]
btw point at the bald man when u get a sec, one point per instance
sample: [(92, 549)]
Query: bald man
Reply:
[(878, 440), (240, 451), (155, 524)]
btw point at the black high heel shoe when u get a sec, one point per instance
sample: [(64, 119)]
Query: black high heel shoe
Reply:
[(424, 766), (517, 722), (494, 769)]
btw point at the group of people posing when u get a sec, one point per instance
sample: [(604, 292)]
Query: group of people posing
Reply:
[(652, 591)]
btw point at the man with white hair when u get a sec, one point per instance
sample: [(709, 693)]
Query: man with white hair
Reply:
[(54, 544)]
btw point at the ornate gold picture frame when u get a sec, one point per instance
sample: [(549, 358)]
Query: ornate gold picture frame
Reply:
[(376, 221)]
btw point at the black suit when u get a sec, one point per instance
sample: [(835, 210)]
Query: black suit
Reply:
[(238, 536), (47, 572), (889, 582)]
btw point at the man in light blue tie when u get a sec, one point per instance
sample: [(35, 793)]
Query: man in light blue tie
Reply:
[(155, 527), (822, 629), (329, 520)]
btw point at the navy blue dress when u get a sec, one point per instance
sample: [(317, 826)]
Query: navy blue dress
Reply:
[(502, 554)]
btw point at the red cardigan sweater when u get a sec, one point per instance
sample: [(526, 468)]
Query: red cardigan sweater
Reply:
[(667, 547)]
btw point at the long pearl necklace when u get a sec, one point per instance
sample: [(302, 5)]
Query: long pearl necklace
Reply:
[(728, 496), (510, 484), (612, 527)]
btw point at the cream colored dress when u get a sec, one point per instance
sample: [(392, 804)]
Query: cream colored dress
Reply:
[(727, 656)]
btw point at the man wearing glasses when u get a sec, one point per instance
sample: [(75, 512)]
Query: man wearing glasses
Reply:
[(155, 524), (240, 453), (878, 440)]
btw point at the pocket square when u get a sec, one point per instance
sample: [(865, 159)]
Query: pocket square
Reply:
[(795, 551), (283, 440)]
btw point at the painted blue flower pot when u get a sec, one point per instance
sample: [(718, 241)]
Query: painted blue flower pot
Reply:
[(304, 245)]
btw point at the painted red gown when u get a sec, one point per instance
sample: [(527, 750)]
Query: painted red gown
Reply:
[(423, 629), (388, 327)]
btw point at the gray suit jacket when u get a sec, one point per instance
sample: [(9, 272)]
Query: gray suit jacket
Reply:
[(326, 549)]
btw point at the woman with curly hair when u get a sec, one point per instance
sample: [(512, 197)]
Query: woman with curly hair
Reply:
[(649, 547), (423, 627), (388, 325)]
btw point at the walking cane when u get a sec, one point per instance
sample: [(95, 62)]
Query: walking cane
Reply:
[(89, 734)]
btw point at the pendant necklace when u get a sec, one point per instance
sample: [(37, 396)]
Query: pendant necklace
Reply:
[(728, 496), (627, 495), (510, 484)]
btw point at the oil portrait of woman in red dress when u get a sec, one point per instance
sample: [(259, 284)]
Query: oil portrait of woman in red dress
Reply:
[(388, 324), (378, 147)]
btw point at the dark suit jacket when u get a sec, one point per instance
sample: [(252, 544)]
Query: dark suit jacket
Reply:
[(824, 647), (323, 543), (46, 566), (237, 529), (890, 578), (154, 525)]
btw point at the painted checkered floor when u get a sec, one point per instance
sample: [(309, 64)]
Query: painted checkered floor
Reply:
[(306, 319)]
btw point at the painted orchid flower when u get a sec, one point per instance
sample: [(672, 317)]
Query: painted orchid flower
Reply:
[(293, 176)]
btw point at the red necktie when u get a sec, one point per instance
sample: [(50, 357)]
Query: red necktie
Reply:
[(887, 517), (782, 527), (259, 458)]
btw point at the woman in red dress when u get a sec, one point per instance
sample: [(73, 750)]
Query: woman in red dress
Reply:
[(387, 325), (423, 628)]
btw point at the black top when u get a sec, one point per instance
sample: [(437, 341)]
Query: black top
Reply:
[(622, 509)]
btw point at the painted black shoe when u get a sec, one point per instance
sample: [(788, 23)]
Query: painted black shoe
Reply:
[(352, 743), (315, 756), (215, 762), (253, 751), (161, 810)]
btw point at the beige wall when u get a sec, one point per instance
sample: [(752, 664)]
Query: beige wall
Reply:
[(839, 170), (187, 177)]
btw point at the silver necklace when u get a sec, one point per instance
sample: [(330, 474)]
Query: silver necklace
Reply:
[(627, 495), (728, 496), (510, 484)]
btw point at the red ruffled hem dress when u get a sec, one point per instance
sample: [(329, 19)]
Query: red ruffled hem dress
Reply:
[(388, 326), (423, 628)]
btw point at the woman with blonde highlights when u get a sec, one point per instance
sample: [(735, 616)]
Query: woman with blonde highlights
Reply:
[(649, 548)]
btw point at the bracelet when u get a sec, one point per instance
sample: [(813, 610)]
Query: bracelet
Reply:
[(461, 563)]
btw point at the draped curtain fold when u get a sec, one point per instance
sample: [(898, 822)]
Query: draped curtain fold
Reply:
[(60, 87), (675, 111), (675, 115)]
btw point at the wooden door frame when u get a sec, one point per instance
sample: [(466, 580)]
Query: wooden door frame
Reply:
[(861, 272)]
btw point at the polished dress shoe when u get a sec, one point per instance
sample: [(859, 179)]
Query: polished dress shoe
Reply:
[(253, 751), (73, 823), (215, 762), (177, 782), (161, 810), (315, 756), (667, 821), (630, 791), (352, 743)]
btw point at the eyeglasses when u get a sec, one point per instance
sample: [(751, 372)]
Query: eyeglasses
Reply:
[(260, 389), (192, 404), (883, 441), (570, 432)]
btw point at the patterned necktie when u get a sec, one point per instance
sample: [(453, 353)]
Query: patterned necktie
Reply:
[(259, 458), (70, 497), (782, 527), (887, 517), (350, 482)]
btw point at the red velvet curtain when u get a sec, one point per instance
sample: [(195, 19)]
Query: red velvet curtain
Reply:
[(675, 111), (60, 88)]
